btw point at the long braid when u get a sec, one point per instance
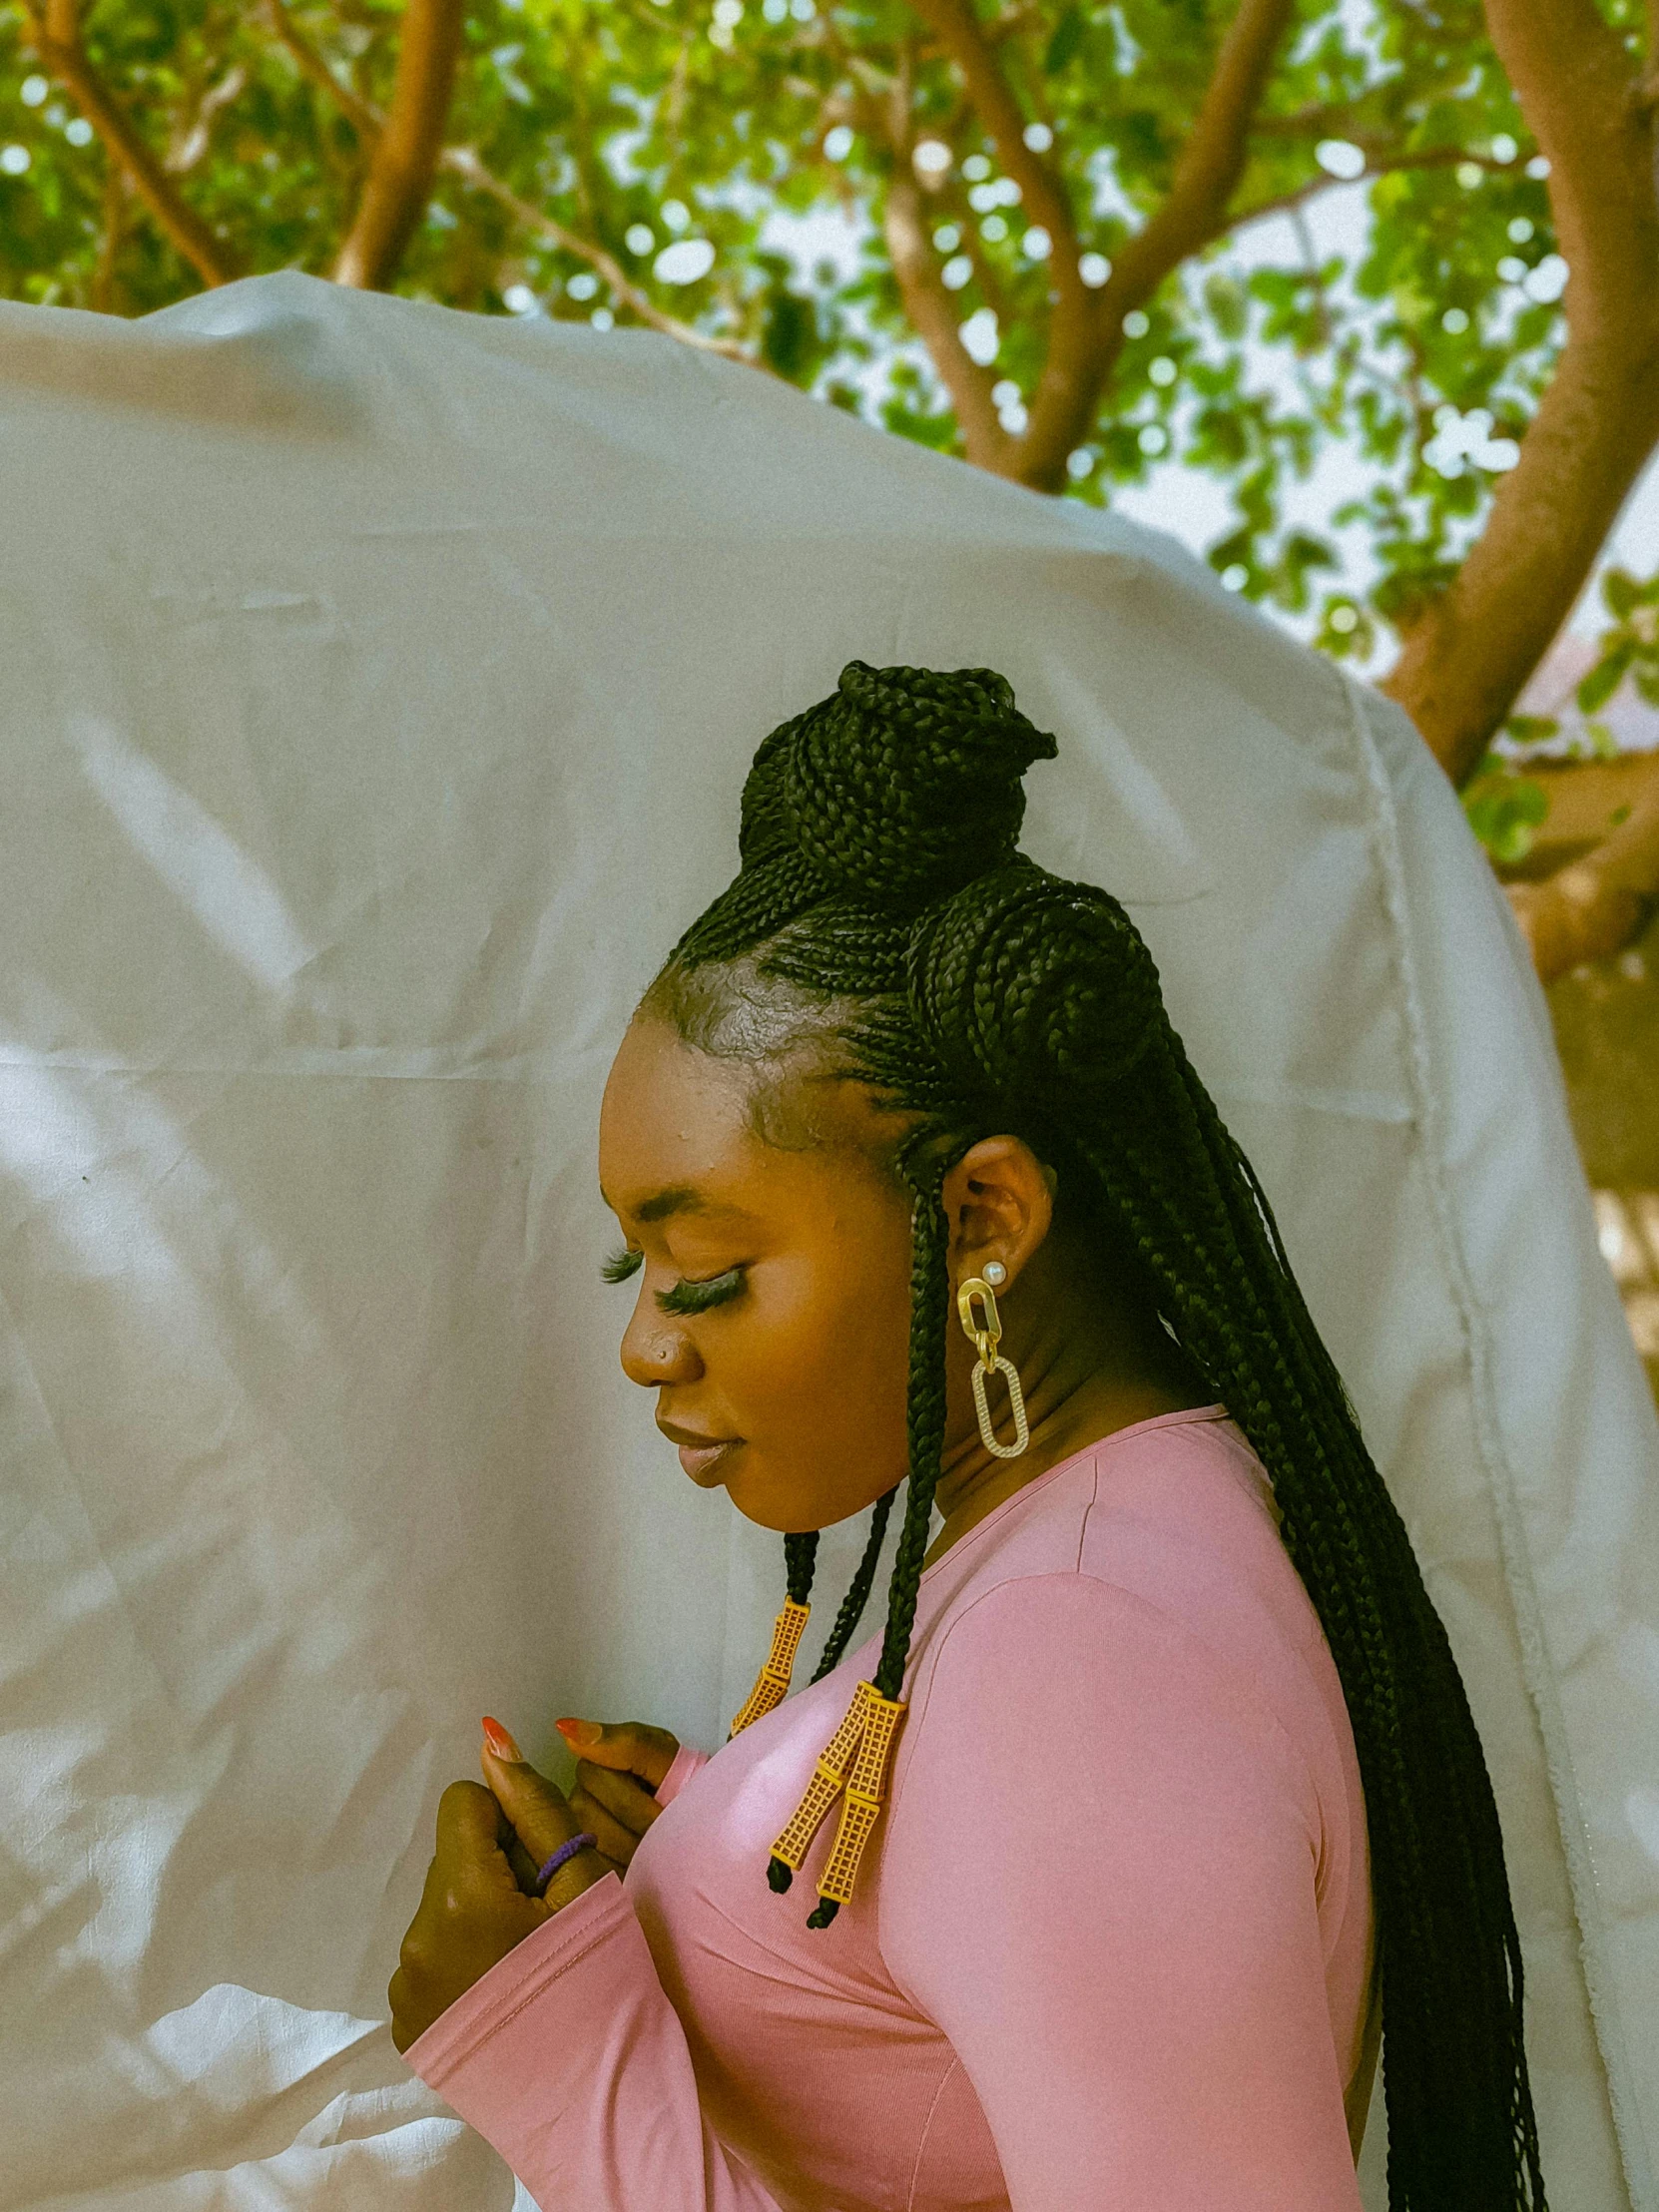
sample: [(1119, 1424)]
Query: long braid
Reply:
[(858, 1590), (967, 985), (924, 1417), (800, 1557), (1352, 1552), (925, 1420)]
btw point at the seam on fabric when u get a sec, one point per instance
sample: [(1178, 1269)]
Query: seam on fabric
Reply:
[(1214, 1411), (1083, 1520), (539, 1981), (1517, 1562), (926, 2130)]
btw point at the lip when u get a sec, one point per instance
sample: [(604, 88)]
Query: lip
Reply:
[(702, 1457)]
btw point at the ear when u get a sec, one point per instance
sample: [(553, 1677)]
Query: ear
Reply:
[(1000, 1200)]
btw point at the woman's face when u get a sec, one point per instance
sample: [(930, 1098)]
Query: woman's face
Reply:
[(772, 1299)]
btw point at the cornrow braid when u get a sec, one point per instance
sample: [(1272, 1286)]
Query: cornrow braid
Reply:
[(882, 883)]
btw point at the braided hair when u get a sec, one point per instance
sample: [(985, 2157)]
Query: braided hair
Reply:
[(880, 896)]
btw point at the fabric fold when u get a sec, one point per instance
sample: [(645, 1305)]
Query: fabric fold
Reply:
[(570, 2060)]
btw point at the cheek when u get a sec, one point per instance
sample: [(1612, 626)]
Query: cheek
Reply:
[(823, 1380)]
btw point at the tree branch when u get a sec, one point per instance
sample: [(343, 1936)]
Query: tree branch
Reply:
[(465, 163), (1386, 164), (116, 189), (1588, 909), (1306, 123), (194, 143), (992, 288), (1464, 662), (959, 31), (933, 314), (1212, 160), (931, 309), (884, 117), (462, 162), (406, 154), (368, 121), (1074, 362), (1086, 335), (54, 31)]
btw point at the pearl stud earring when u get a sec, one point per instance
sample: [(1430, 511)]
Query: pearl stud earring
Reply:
[(995, 1274)]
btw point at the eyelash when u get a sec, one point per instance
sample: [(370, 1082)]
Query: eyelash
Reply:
[(682, 1297), (695, 1298)]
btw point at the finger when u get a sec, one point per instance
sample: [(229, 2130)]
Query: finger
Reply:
[(525, 1869), (629, 1745), (469, 1833), (536, 1808), (399, 1998), (621, 1795), (615, 1841)]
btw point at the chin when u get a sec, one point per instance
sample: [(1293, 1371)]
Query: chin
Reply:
[(779, 1518), (758, 1500)]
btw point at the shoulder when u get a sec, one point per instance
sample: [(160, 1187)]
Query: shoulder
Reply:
[(1149, 1585), (1075, 1739), (1089, 1670), (1178, 1514)]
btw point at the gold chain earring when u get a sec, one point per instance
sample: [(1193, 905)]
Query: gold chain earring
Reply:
[(991, 1361)]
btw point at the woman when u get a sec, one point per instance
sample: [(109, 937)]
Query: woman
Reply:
[(1096, 1823)]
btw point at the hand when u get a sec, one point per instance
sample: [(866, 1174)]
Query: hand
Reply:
[(619, 1764), (478, 1903)]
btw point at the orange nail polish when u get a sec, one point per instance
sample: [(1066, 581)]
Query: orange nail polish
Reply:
[(578, 1732), (501, 1742)]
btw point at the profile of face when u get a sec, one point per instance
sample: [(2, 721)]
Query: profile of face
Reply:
[(773, 1287), (785, 1275), (773, 1307)]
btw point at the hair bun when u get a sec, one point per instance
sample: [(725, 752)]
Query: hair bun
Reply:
[(900, 786), (1029, 985)]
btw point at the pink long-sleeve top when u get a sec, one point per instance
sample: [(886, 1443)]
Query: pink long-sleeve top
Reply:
[(1112, 1944)]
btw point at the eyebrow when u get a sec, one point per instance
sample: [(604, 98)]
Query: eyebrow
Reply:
[(677, 1197)]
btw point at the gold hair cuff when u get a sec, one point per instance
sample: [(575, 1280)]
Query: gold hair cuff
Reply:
[(854, 1761), (773, 1682)]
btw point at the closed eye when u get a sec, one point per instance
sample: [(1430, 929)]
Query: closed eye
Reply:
[(687, 1296)]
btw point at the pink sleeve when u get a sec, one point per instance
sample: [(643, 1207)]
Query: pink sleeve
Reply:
[(1100, 1884), (569, 2059), (687, 1762)]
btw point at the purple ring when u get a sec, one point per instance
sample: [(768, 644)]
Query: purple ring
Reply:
[(564, 1852)]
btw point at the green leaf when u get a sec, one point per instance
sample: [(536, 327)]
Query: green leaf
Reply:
[(1504, 811), (1532, 729), (1229, 306), (1605, 678), (790, 336), (1621, 593), (1064, 41)]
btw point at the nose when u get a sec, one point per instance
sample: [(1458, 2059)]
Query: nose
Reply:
[(655, 1352)]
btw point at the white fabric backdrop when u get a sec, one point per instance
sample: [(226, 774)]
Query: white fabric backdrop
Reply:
[(378, 688)]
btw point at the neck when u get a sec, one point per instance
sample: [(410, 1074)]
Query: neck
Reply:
[(1068, 1406)]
